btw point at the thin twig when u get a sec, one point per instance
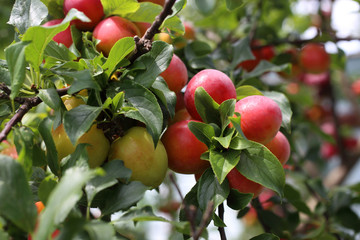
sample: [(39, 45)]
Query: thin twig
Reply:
[(27, 105), (205, 219), (221, 215), (144, 44), (190, 212)]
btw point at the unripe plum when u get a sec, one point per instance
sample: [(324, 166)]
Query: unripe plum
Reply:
[(98, 144), (314, 59), (261, 118), (112, 29), (184, 149), (63, 37), (147, 163), (175, 75), (216, 83), (93, 9)]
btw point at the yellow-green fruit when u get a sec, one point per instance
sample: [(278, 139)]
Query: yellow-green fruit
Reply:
[(136, 149), (97, 150), (72, 102)]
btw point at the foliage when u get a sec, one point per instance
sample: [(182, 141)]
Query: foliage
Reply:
[(123, 92)]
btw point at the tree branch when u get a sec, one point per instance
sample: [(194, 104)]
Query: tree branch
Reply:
[(144, 44), (221, 215), (27, 104)]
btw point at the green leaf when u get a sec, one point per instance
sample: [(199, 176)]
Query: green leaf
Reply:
[(59, 52), (209, 189), (114, 170), (174, 24), (285, 107), (245, 91), (145, 214), (264, 67), (5, 76), (78, 158), (45, 188), (241, 52), (55, 8), (226, 110), (258, 164), (27, 13), (80, 81), (238, 200), (205, 6), (51, 153), (40, 37), (15, 57), (294, 197), (99, 230), (119, 7), (149, 111), (226, 140), (207, 108), (24, 142), (166, 96), (265, 236), (122, 197), (118, 52), (202, 131), (236, 122), (348, 218), (156, 61), (79, 120), (145, 13), (62, 199), (16, 198), (51, 98), (239, 143), (222, 162)]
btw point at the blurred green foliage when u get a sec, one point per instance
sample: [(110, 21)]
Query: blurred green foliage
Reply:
[(6, 30)]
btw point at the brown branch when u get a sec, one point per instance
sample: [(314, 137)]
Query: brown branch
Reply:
[(28, 104), (221, 215), (205, 219), (144, 44)]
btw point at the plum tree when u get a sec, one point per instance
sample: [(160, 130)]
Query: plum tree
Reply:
[(93, 9), (261, 118), (112, 29), (216, 83), (147, 163), (184, 149)]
